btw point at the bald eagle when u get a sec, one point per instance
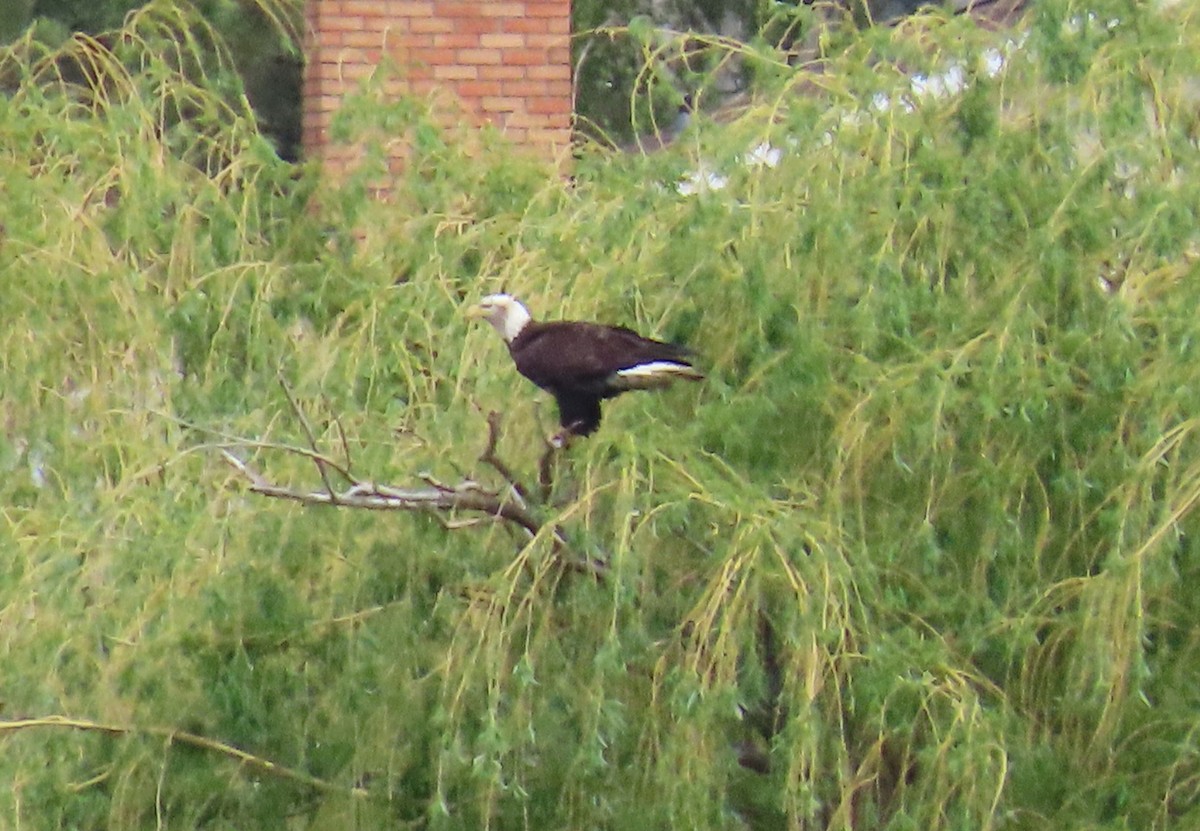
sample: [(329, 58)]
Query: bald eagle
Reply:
[(581, 363)]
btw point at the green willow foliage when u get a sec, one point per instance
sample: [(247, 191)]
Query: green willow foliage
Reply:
[(920, 554)]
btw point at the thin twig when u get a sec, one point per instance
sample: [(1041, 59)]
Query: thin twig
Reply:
[(183, 737), (229, 440), (308, 432), (466, 484), (243, 468), (304, 452), (345, 442), (458, 524)]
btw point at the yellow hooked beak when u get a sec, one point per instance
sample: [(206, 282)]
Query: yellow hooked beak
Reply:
[(477, 311)]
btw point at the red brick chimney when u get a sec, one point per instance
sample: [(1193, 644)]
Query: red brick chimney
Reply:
[(504, 62)]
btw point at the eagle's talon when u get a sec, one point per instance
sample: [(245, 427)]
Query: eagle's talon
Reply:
[(562, 439)]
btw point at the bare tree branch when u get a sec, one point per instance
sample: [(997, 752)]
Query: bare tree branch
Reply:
[(467, 495), (478, 504)]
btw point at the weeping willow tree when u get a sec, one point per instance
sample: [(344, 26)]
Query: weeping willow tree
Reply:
[(918, 554)]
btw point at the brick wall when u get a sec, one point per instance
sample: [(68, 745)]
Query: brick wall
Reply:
[(504, 62)]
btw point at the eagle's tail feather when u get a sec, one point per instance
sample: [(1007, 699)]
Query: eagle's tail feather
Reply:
[(655, 374)]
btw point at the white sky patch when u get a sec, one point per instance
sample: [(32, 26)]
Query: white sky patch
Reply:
[(701, 181), (993, 62), (1077, 23), (950, 81), (763, 155)]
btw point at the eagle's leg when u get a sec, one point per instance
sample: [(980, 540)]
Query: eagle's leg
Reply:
[(578, 413)]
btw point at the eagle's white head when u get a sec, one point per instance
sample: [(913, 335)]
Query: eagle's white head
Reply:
[(505, 313)]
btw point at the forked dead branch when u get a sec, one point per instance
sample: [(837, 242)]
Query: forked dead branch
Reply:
[(455, 505)]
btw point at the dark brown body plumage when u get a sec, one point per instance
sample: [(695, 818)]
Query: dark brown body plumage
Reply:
[(581, 364)]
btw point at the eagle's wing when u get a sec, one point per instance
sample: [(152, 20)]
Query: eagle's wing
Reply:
[(589, 356)]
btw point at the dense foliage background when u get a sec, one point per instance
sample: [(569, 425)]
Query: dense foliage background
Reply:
[(920, 554)]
